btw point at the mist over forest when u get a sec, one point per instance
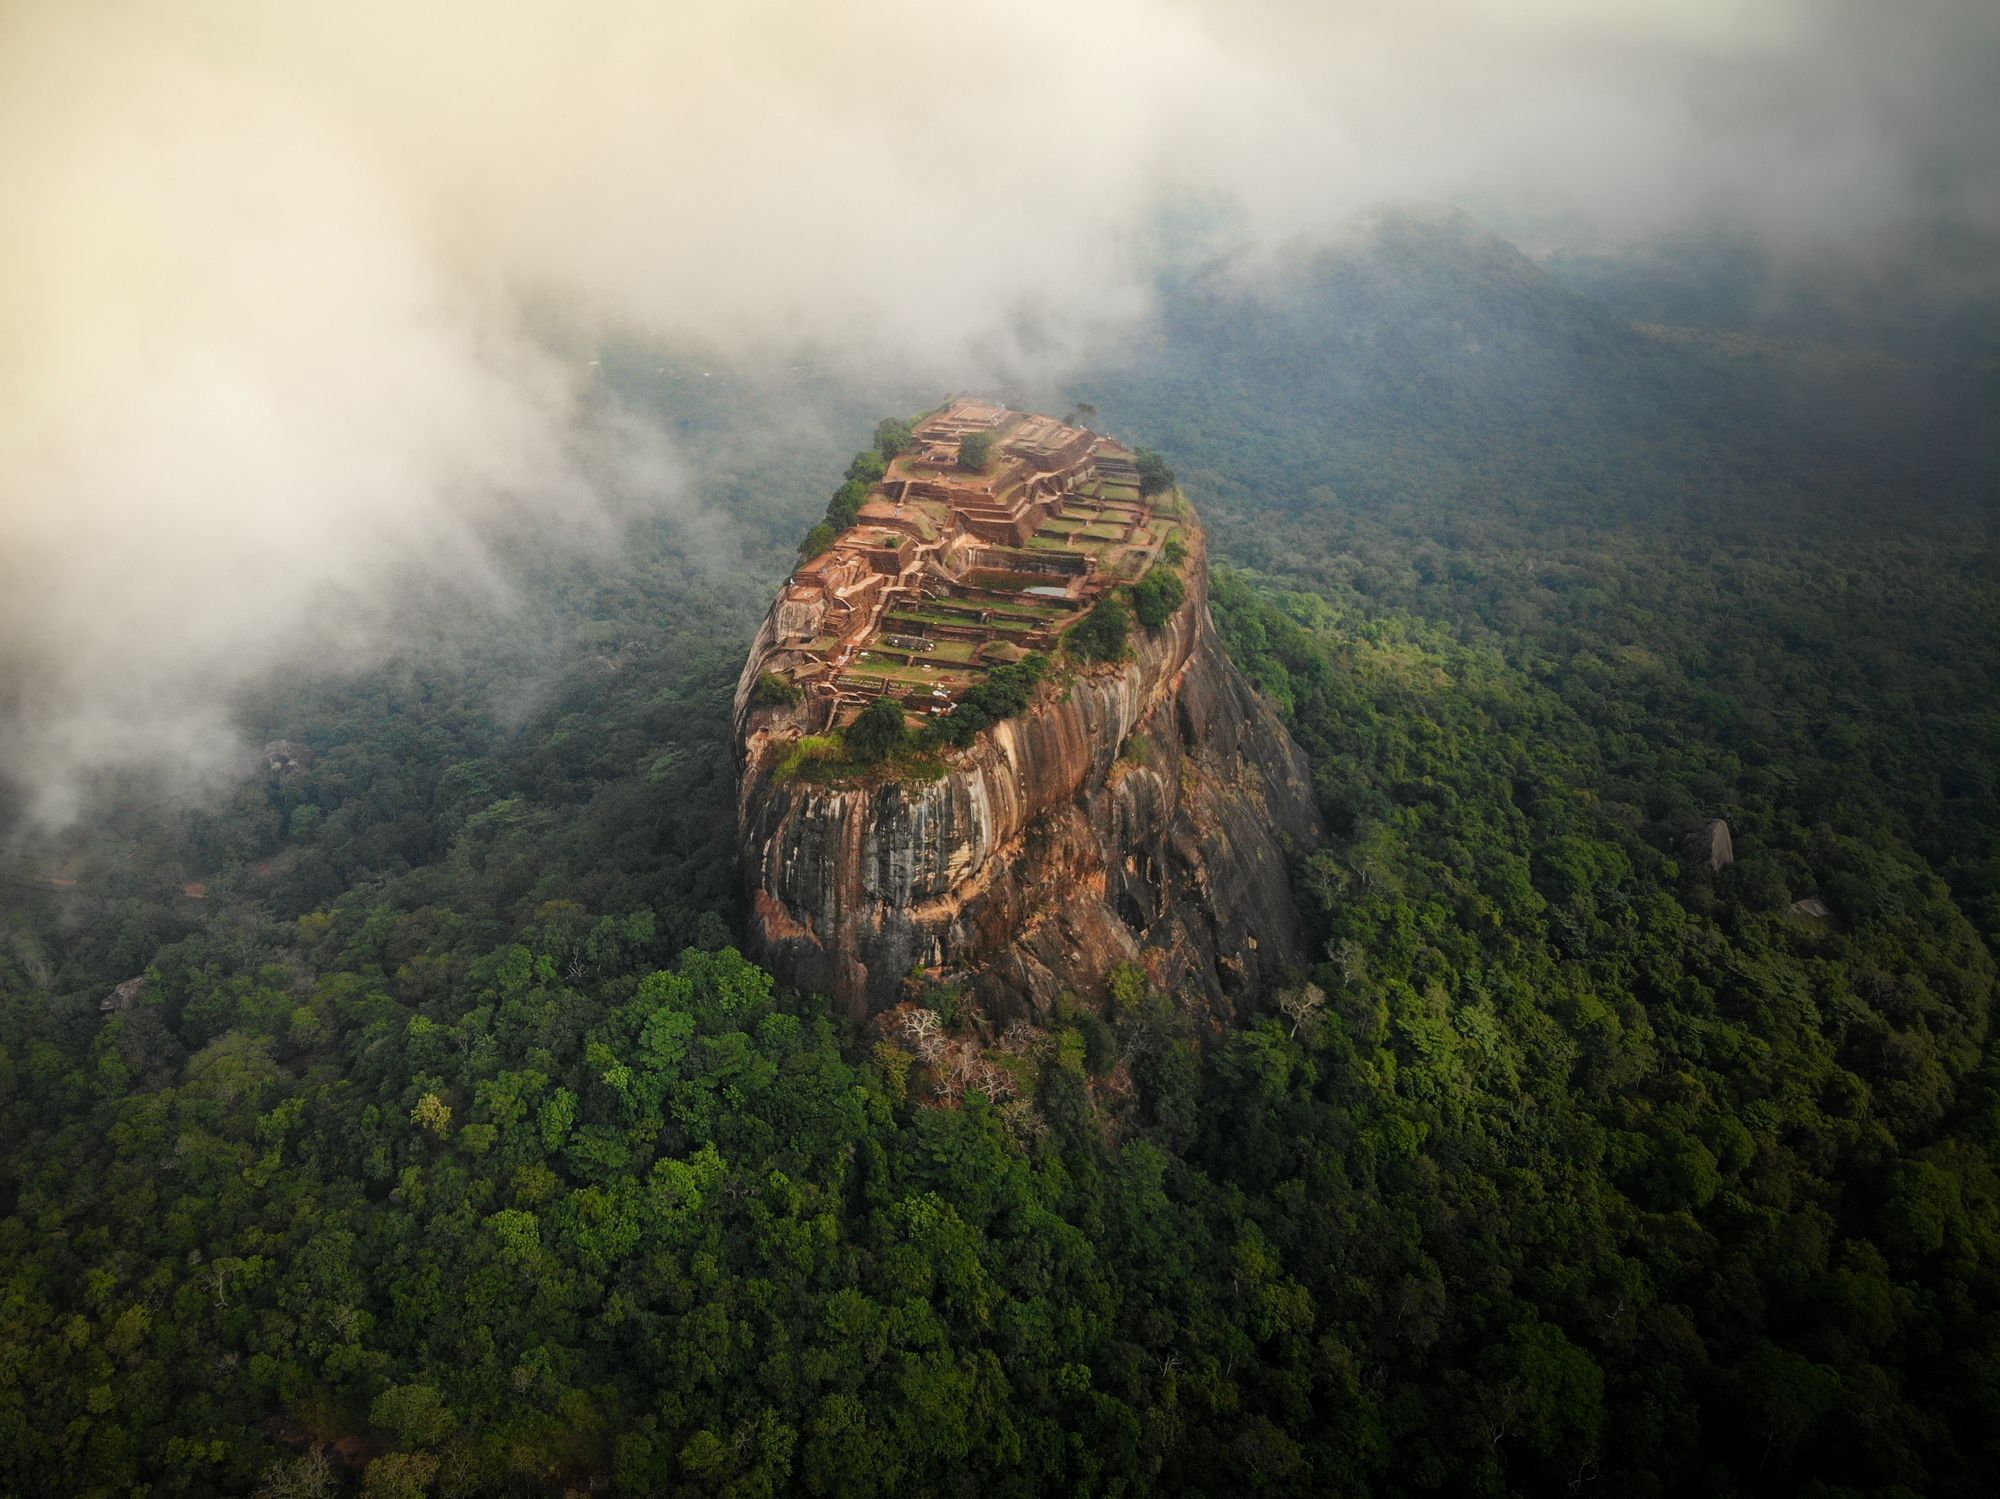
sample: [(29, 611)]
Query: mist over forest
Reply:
[(1593, 420)]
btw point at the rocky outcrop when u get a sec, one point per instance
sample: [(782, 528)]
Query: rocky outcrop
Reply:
[(286, 757), (1147, 811), (1710, 844), (124, 996)]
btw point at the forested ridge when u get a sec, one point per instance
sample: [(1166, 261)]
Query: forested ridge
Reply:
[(446, 1146)]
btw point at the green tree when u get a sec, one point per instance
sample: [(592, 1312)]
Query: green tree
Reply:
[(1156, 596), (432, 1113), (416, 1413), (400, 1475), (845, 506), (1154, 475), (774, 691), (975, 451), (1004, 693), (817, 540), (893, 435), (1101, 634), (878, 733)]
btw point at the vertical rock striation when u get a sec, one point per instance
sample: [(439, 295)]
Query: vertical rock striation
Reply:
[(1146, 811)]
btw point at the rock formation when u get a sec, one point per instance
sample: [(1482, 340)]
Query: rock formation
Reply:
[(1710, 844), (123, 996), (1144, 810), (286, 757)]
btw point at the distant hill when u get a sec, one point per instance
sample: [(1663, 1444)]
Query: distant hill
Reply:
[(1428, 372)]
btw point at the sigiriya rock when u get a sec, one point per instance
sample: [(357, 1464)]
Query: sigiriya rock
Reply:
[(1139, 804)]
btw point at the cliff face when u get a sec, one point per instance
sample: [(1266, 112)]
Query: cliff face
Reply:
[(1148, 811)]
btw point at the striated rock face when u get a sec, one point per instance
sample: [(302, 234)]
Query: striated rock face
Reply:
[(1145, 811)]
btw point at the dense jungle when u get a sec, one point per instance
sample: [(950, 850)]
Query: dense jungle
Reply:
[(405, 1120)]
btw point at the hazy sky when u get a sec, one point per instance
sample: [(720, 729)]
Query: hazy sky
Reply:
[(296, 300)]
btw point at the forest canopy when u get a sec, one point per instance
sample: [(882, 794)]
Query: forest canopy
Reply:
[(442, 1143)]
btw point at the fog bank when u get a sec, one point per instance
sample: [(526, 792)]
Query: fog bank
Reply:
[(297, 303)]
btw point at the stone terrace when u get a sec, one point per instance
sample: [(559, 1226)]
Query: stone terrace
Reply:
[(947, 573)]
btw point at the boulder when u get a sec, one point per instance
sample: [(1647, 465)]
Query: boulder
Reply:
[(1709, 844), (286, 757), (123, 997)]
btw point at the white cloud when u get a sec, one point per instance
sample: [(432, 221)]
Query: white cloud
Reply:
[(283, 285)]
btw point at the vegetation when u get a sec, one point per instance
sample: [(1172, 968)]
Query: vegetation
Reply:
[(447, 1126), (1154, 475), (1537, 598), (1101, 634), (845, 506), (817, 540), (774, 691), (975, 451), (1004, 692), (836, 759), (877, 733), (810, 750), (894, 435), (1156, 596)]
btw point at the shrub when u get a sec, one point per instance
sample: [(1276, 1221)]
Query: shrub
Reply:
[(1154, 475), (877, 733), (846, 504), (1128, 986), (818, 539), (893, 435), (810, 747), (1004, 693), (1101, 634), (773, 691), (1156, 597), (975, 450)]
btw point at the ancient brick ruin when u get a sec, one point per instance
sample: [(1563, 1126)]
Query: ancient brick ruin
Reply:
[(947, 573)]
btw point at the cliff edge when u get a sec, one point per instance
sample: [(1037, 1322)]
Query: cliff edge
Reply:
[(1144, 808)]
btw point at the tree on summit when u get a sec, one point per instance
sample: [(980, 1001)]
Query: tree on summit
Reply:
[(1100, 635), (1156, 596), (893, 435), (877, 733), (817, 540)]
